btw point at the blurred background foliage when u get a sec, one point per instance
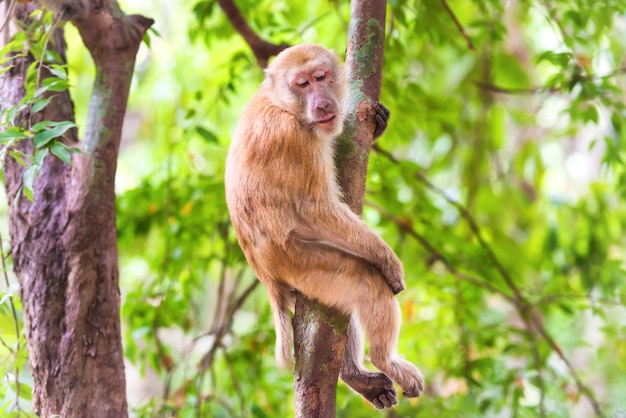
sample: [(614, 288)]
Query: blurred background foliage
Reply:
[(500, 182)]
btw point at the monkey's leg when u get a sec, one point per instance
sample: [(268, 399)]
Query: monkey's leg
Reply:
[(381, 320), (357, 286), (375, 387)]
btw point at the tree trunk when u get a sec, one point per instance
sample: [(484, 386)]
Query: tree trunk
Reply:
[(320, 332), (64, 242), (317, 364)]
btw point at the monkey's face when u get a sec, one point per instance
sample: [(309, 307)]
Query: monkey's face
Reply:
[(315, 91), (308, 81)]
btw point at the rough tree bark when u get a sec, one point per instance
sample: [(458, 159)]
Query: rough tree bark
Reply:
[(320, 332), (64, 243)]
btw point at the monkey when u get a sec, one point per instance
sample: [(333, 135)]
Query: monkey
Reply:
[(296, 232)]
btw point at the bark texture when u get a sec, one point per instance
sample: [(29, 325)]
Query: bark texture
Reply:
[(320, 332), (64, 243), (315, 392)]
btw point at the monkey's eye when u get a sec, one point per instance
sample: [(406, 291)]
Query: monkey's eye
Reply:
[(320, 78), (302, 83)]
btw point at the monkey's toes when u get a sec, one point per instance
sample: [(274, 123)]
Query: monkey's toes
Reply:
[(375, 387), (416, 388), (385, 400)]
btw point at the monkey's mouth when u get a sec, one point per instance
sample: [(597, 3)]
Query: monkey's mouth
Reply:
[(327, 120)]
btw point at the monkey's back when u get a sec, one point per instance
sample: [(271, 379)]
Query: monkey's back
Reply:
[(277, 173)]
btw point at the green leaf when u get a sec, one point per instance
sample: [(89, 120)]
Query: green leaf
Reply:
[(61, 152), (5, 297), (40, 104), (40, 155), (13, 134), (5, 68), (206, 134), (44, 124), (21, 158), (25, 391), (41, 138), (28, 179), (31, 75), (59, 71), (52, 84), (590, 114), (258, 412)]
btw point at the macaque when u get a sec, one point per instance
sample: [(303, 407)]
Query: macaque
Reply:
[(297, 234)]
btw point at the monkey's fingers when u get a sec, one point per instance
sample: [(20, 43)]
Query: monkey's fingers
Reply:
[(381, 118), (397, 286), (381, 109)]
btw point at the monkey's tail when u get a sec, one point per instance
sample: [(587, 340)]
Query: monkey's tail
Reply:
[(280, 301)]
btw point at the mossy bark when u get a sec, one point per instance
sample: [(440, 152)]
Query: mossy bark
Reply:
[(320, 332)]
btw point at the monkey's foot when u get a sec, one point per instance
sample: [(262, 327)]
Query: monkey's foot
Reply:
[(375, 387), (415, 390), (415, 385)]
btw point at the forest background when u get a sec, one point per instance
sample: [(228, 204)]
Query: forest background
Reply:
[(500, 183)]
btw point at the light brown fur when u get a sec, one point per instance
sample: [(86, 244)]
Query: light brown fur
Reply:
[(296, 232)]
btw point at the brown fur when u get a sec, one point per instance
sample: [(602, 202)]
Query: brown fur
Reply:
[(286, 209)]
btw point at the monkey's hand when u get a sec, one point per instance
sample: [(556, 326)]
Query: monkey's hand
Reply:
[(394, 274), (381, 117)]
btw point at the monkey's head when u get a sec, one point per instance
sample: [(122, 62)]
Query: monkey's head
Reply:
[(308, 81)]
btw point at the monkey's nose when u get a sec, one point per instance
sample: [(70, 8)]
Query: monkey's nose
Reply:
[(323, 105)]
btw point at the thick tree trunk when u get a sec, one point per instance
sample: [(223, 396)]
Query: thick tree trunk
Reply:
[(320, 332), (64, 243)]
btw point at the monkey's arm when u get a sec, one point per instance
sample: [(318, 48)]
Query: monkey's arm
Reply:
[(347, 233)]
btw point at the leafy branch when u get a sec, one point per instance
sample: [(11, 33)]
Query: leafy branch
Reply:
[(522, 305), (39, 94)]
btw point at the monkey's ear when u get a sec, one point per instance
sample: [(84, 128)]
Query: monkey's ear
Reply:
[(269, 77)]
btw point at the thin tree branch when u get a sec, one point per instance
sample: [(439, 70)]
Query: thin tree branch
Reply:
[(470, 45), (540, 90), (504, 90), (224, 327), (408, 229), (261, 49), (584, 389)]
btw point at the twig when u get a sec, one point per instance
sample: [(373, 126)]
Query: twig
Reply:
[(9, 15), (207, 359), (470, 45), (504, 90), (584, 389), (44, 48), (236, 385), (539, 90), (261, 49)]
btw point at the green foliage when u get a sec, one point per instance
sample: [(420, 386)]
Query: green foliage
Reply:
[(500, 182), (46, 76)]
